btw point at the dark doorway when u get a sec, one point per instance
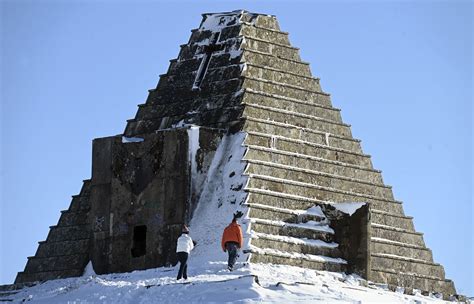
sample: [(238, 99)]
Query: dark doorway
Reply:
[(139, 241)]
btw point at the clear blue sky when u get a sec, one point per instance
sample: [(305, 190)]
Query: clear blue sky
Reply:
[(400, 71)]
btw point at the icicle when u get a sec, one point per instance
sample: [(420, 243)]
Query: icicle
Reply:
[(326, 135)]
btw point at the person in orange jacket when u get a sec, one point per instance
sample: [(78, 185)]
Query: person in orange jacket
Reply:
[(232, 241)]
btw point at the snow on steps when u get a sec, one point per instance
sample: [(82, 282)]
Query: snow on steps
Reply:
[(264, 211), (293, 237), (292, 244), (274, 256)]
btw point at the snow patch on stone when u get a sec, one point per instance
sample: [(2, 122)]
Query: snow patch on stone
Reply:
[(348, 208), (127, 140), (311, 225), (216, 22), (296, 255), (89, 270), (294, 240)]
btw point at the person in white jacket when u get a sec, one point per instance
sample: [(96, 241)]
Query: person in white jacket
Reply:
[(183, 248)]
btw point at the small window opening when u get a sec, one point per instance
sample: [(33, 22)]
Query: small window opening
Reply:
[(139, 241)]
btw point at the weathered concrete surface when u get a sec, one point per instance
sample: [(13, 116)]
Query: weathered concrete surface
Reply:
[(143, 184)]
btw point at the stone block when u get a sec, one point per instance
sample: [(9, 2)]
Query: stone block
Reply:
[(292, 231), (59, 234), (261, 242), (295, 119), (407, 266), (318, 164), (272, 259), (68, 247), (393, 221), (275, 63), (317, 178), (398, 236), (59, 263)]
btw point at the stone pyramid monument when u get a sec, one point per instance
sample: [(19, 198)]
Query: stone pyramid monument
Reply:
[(238, 96)]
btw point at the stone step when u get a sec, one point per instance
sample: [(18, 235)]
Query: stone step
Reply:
[(159, 104), (307, 148), (293, 105), (280, 200), (406, 265), (72, 218), (207, 89), (250, 30), (396, 248), (80, 202), (321, 193), (57, 263), (264, 59), (168, 99), (204, 118), (297, 133), (316, 163), (64, 233), (286, 90), (178, 66), (183, 66), (277, 75), (48, 275), (275, 49), (290, 244), (397, 235), (323, 99), (184, 107), (276, 200), (67, 247), (262, 21), (185, 81), (394, 220), (280, 228), (297, 119), (411, 280), (196, 48), (269, 212), (317, 178), (286, 200), (230, 31), (293, 259)]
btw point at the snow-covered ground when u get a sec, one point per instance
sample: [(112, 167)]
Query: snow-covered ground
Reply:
[(211, 282)]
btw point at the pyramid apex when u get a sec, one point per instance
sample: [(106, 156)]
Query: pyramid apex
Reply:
[(219, 20)]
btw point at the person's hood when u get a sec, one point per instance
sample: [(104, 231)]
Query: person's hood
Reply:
[(233, 224)]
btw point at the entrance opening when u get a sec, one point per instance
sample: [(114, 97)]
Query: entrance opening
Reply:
[(139, 241)]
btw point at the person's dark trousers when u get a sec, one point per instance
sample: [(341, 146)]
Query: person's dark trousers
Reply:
[(231, 248), (183, 267)]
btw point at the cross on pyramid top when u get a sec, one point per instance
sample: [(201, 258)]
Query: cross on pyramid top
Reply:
[(209, 50)]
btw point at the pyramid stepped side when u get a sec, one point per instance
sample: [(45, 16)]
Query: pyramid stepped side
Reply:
[(300, 152), (239, 72), (65, 252), (216, 103)]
